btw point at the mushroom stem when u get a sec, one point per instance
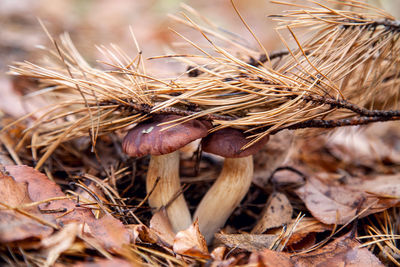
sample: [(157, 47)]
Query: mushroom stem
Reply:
[(167, 168), (224, 195)]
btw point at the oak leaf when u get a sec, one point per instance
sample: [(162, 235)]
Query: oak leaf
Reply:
[(335, 203), (343, 251), (109, 231), (15, 226)]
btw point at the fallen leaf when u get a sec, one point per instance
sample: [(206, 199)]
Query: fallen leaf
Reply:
[(41, 188), (85, 197), (304, 228), (6, 144), (59, 242), (220, 260), (285, 177), (161, 225), (341, 252), (106, 263), (384, 186), (15, 226), (191, 242), (218, 253), (141, 233), (335, 203), (231, 261), (109, 231), (277, 212), (305, 243), (249, 242)]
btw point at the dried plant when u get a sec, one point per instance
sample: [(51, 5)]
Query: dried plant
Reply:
[(383, 234), (340, 68)]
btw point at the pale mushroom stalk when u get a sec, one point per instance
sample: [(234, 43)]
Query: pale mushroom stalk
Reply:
[(225, 195), (166, 167), (233, 182), (149, 138)]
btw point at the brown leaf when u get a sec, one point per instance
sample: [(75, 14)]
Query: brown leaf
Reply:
[(140, 232), (161, 225), (108, 230), (247, 242), (331, 202), (277, 212), (305, 243), (305, 227), (341, 252), (191, 242), (85, 197), (15, 226), (106, 263), (59, 242), (5, 141), (218, 253), (41, 188)]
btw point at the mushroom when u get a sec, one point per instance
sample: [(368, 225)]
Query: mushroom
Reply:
[(233, 182), (162, 144)]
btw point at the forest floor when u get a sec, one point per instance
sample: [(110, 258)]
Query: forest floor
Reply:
[(316, 198)]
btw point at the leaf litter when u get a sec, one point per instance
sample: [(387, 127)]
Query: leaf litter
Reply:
[(291, 218)]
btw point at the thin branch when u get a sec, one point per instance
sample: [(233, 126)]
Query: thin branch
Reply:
[(327, 124)]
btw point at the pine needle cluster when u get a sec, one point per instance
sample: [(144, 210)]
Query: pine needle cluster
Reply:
[(339, 67)]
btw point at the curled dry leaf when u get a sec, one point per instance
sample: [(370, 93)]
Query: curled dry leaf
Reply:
[(247, 242), (277, 212), (304, 244), (332, 202), (141, 233), (218, 253), (109, 231), (15, 226), (219, 258), (162, 227), (341, 252), (191, 242)]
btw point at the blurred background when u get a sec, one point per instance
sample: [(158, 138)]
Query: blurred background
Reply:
[(102, 22), (98, 22), (94, 22)]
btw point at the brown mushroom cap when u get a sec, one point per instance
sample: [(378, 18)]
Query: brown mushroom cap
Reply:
[(147, 138), (228, 143)]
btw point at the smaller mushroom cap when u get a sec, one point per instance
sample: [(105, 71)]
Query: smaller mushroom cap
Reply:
[(147, 138), (228, 143)]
